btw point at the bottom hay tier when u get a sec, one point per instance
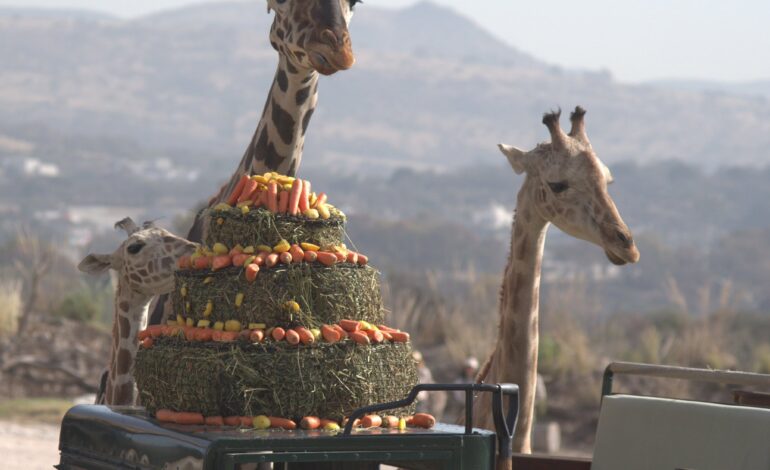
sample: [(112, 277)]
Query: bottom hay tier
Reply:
[(244, 379)]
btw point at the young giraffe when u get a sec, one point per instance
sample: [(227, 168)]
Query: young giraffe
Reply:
[(565, 184), (311, 37), (145, 263)]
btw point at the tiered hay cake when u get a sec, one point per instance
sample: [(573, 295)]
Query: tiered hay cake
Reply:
[(257, 317)]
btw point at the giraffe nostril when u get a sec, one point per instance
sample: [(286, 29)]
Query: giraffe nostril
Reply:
[(623, 238), (328, 37)]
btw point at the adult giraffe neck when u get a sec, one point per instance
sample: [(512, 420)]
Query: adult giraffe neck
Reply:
[(279, 139)]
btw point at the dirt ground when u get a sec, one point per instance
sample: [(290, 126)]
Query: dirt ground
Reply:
[(28, 446)]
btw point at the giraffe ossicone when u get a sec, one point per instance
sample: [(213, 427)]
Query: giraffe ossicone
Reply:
[(565, 185), (144, 264)]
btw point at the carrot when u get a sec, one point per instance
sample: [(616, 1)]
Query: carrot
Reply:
[(213, 421), (251, 272), (144, 334), (363, 259), (259, 198), (292, 337), (390, 421), (325, 422), (352, 257), (221, 261), (202, 262), (271, 260), (272, 197), (310, 422), (184, 262), (400, 336), (360, 337), (386, 335), (423, 420), (320, 200), (188, 417), (376, 336), (304, 201), (239, 258), (232, 420), (326, 258), (387, 328), (256, 336), (282, 423), (305, 335), (330, 334), (285, 257), (237, 190), (249, 189), (165, 416), (203, 334), (371, 421), (294, 195), (189, 333), (283, 202), (340, 330), (297, 254), (247, 421), (311, 256), (216, 335), (278, 333), (229, 336), (350, 325)]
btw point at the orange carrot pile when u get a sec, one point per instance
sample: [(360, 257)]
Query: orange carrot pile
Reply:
[(251, 259), (279, 194), (359, 332)]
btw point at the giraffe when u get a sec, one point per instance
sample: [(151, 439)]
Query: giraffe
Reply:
[(565, 184), (144, 263), (311, 38)]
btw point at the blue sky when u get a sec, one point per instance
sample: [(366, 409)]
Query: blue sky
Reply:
[(636, 40)]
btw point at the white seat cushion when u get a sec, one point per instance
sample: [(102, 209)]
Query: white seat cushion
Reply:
[(644, 433)]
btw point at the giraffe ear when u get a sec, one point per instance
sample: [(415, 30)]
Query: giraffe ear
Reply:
[(515, 157), (97, 264)]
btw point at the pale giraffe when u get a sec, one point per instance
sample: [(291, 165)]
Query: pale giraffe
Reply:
[(312, 38), (144, 263), (565, 184)]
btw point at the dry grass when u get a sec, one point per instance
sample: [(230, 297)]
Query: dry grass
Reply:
[(34, 410)]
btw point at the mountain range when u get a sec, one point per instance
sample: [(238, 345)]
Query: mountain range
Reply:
[(430, 90)]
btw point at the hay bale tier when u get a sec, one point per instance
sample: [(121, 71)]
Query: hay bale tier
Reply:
[(328, 380), (325, 294)]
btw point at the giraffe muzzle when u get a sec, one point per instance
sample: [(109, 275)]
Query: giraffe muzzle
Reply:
[(331, 52)]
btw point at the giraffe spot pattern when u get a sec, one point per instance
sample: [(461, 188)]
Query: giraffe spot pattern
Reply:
[(124, 326), (291, 68), (284, 122), (306, 119), (283, 82), (166, 263), (124, 361), (124, 393), (265, 151), (302, 95), (124, 306)]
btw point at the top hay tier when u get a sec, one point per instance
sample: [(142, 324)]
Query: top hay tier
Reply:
[(231, 226)]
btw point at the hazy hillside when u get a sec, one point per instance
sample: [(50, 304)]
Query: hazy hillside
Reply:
[(430, 90)]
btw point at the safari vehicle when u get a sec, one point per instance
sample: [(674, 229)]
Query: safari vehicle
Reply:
[(101, 437)]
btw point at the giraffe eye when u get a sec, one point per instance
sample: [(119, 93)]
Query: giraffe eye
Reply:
[(558, 187), (354, 2), (135, 248)]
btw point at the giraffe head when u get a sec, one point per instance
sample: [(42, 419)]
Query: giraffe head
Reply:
[(313, 34), (146, 259), (566, 184)]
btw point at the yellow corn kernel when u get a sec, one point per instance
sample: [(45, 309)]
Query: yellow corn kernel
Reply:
[(323, 211), (183, 291), (209, 308), (208, 279), (220, 221), (309, 247), (219, 326), (311, 214), (286, 187), (313, 199), (331, 426), (264, 248), (220, 248), (187, 307), (180, 320), (282, 247), (204, 323), (285, 179), (238, 299), (249, 260), (260, 179), (222, 206), (257, 326), (261, 422), (401, 424), (245, 209), (366, 326), (232, 325), (316, 333), (249, 250), (171, 322), (190, 321), (292, 305)]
